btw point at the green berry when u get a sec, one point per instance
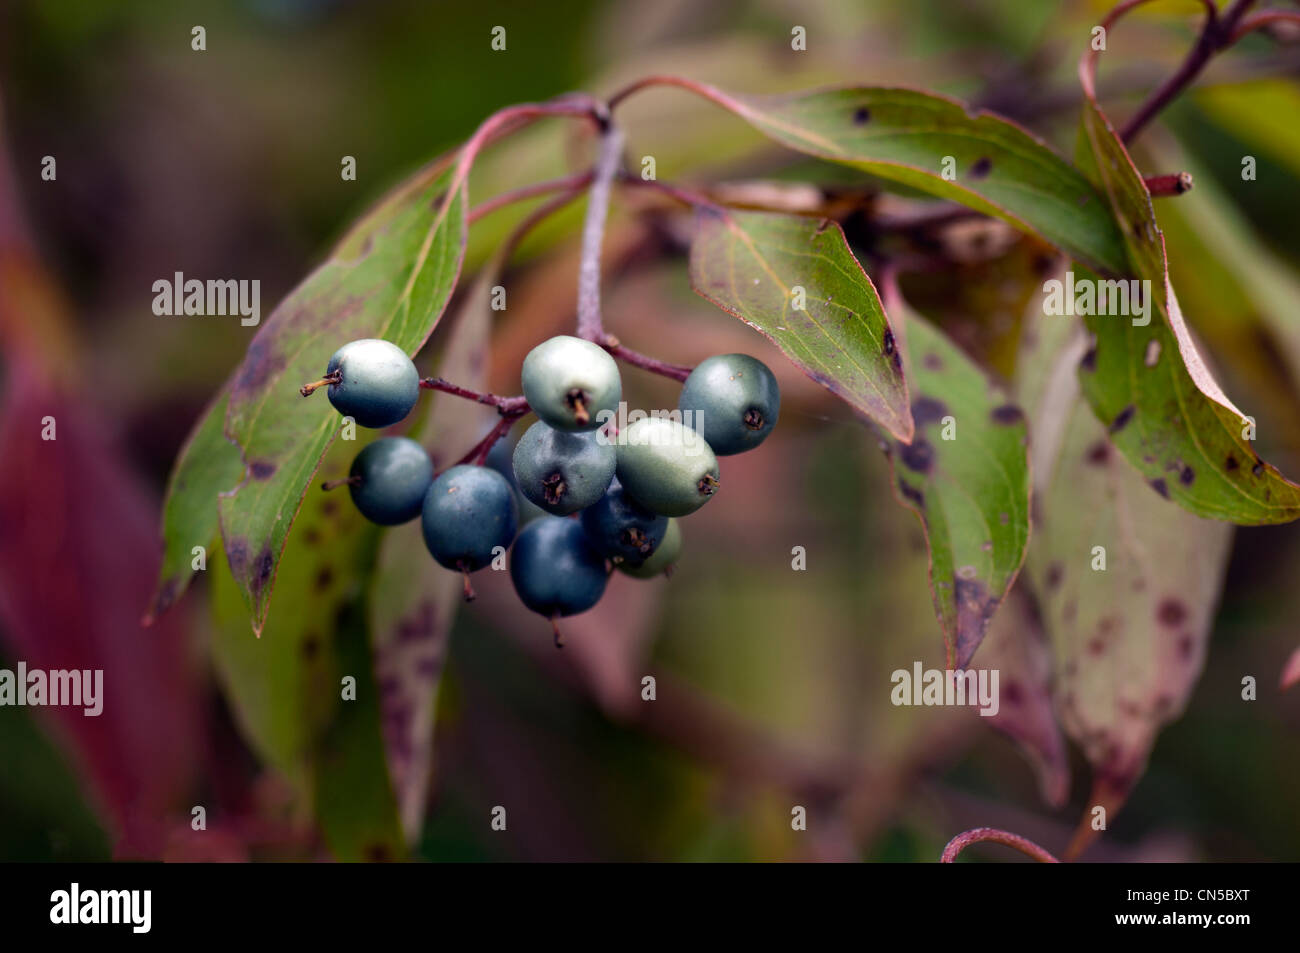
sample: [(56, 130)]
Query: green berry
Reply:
[(666, 467), (389, 480), (562, 472), (733, 401), (662, 559), (571, 384), (377, 384)]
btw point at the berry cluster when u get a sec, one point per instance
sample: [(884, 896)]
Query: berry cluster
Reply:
[(589, 498)]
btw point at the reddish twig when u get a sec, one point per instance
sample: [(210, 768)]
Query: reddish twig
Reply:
[(1264, 18), (517, 406), (1161, 186), (590, 324), (1006, 838), (684, 195), (677, 372), (1216, 34), (565, 184), (479, 452)]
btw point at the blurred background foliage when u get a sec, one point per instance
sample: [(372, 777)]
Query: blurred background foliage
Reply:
[(773, 685)]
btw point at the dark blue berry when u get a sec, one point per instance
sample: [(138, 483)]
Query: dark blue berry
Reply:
[(621, 528), (389, 479), (555, 569), (469, 511)]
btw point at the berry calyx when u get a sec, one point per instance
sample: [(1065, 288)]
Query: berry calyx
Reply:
[(388, 480), (571, 384), (667, 467), (370, 380), (620, 528), (733, 400), (562, 472), (662, 560), (555, 569), (468, 512)]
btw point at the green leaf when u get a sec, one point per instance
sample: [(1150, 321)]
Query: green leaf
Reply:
[(1150, 386), (909, 137), (286, 687), (966, 476), (206, 465), (413, 600), (390, 278), (795, 280)]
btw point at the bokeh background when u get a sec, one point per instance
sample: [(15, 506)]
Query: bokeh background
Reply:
[(773, 685)]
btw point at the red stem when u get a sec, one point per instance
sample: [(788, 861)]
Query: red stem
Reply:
[(677, 372), (1262, 19), (565, 184), (1161, 186), (1006, 838), (684, 195), (518, 406)]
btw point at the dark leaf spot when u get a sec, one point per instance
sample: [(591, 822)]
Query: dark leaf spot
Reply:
[(1186, 476), (324, 577), (311, 646), (263, 569), (1098, 453), (981, 168), (918, 455), (1160, 487), (927, 410), (932, 361), (1185, 646), (912, 493), (262, 469), (1171, 612), (1232, 463), (1122, 418), (1258, 468), (1089, 360), (1007, 414), (975, 606), (1055, 572), (861, 116)]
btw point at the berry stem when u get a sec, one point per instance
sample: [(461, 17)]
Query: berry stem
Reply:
[(506, 405), (679, 193), (569, 183), (354, 480), (555, 629), (333, 378), (980, 834), (677, 372), (590, 325), (478, 453)]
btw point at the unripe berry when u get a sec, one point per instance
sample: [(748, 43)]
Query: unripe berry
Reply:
[(389, 479), (569, 382), (468, 512), (562, 472), (734, 402), (662, 559), (555, 569), (621, 528), (666, 467), (378, 385)]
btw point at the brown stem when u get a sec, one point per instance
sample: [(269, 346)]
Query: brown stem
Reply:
[(470, 594), (332, 378), (611, 344), (1216, 34), (555, 629), (1161, 186), (506, 405), (980, 834), (354, 480)]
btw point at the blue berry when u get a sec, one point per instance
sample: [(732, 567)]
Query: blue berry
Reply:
[(734, 402), (377, 384), (469, 511), (621, 528), (571, 383), (555, 569), (389, 479), (499, 458), (562, 472)]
